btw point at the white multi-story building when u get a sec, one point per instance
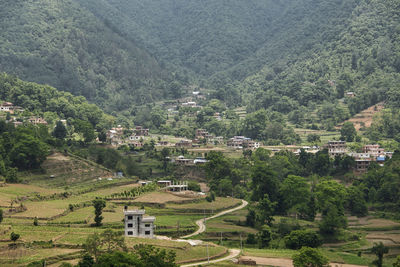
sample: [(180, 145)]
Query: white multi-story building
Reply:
[(136, 225)]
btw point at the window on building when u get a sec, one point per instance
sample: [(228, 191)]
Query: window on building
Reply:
[(130, 233), (130, 225), (130, 217), (147, 225), (147, 232)]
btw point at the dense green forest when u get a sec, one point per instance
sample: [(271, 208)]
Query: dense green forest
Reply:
[(293, 57), (61, 44), (270, 54)]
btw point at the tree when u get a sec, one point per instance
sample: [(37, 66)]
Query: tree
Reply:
[(348, 132), (265, 211), (313, 138), (12, 176), (397, 262), (379, 250), (1, 215), (321, 164), (295, 192), (332, 220), (93, 245), (308, 211), (98, 204), (155, 257), (14, 237), (309, 257), (264, 181), (102, 136), (118, 258), (264, 236), (60, 132), (28, 151), (303, 238), (112, 240), (86, 261), (225, 187), (217, 168), (355, 202), (86, 129), (194, 186)]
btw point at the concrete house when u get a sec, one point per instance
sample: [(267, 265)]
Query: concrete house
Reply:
[(136, 225)]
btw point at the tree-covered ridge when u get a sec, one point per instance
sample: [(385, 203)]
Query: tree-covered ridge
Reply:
[(61, 44), (48, 101), (281, 55), (362, 56), (202, 37)]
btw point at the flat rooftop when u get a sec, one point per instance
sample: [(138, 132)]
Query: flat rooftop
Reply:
[(134, 212)]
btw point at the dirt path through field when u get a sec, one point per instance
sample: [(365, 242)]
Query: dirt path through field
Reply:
[(202, 227), (233, 253), (282, 262)]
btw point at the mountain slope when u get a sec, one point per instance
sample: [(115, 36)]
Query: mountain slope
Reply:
[(362, 56), (203, 37), (64, 45)]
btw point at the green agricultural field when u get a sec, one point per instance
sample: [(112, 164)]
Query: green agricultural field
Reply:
[(82, 215), (46, 199)]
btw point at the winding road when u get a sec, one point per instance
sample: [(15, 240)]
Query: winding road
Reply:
[(202, 227), (233, 253)]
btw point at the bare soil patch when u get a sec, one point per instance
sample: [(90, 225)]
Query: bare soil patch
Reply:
[(365, 117), (160, 198)]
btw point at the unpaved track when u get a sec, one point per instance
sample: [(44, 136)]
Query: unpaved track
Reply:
[(233, 253), (283, 262), (202, 227)]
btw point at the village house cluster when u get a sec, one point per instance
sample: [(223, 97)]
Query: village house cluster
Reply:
[(242, 142), (370, 153), (117, 136), (10, 108)]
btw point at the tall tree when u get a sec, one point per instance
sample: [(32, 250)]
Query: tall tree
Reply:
[(98, 204), (348, 132), (60, 132), (379, 250)]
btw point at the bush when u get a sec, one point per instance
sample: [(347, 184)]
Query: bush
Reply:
[(285, 226), (303, 238), (194, 186), (309, 257)]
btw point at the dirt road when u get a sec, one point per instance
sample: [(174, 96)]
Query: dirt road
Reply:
[(282, 262), (233, 253), (202, 227)]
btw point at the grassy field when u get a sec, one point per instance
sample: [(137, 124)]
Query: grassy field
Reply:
[(49, 199)]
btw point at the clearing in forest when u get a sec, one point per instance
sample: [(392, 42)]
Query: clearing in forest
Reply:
[(365, 118)]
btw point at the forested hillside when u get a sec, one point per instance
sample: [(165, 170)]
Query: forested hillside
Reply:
[(203, 37), (61, 44), (288, 56), (270, 54), (361, 56), (52, 104)]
